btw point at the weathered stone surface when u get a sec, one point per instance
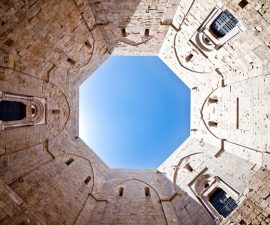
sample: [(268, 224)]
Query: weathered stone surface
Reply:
[(48, 48)]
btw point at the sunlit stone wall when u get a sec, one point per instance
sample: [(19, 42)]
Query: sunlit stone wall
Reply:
[(48, 48)]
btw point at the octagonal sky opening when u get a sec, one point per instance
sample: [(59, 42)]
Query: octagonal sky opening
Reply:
[(134, 112)]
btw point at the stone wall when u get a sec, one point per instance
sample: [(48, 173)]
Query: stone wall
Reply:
[(48, 48), (239, 69), (255, 209)]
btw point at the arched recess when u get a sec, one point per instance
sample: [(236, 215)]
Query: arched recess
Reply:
[(180, 166), (144, 199), (57, 110), (56, 191), (241, 115)]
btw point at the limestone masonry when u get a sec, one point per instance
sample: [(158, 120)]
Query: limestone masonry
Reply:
[(219, 48)]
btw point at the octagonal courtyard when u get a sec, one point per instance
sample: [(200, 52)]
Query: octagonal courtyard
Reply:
[(139, 106), (51, 175)]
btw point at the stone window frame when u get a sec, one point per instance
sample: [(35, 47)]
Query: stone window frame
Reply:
[(204, 39), (204, 192), (31, 119)]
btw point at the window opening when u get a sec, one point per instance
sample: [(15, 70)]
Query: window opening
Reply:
[(188, 167), (87, 180), (88, 45), (146, 32), (12, 110), (69, 161), (212, 100), (212, 124), (242, 222), (223, 204), (189, 57), (123, 32), (224, 23), (71, 61), (121, 191), (243, 3), (147, 191)]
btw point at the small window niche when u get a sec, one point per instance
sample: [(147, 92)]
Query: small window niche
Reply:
[(123, 32), (189, 57), (56, 111), (212, 124), (121, 191), (147, 192), (243, 3), (242, 222), (87, 180), (188, 167), (212, 100), (88, 45), (147, 32), (69, 161), (71, 61)]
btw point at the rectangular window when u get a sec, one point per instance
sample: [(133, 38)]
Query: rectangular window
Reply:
[(189, 57), (87, 180), (71, 61), (224, 23), (243, 3), (223, 204), (123, 32), (146, 32), (69, 161), (147, 191), (121, 191), (12, 110), (188, 167)]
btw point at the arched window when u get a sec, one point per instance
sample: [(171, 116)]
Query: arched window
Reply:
[(223, 204), (12, 110)]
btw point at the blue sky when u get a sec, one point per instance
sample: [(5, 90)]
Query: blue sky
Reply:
[(134, 112)]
